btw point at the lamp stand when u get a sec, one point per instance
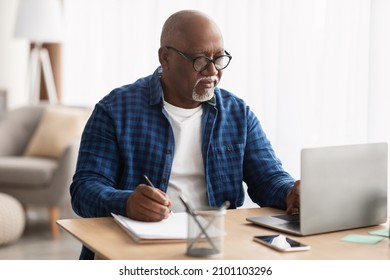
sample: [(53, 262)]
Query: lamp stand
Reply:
[(39, 59)]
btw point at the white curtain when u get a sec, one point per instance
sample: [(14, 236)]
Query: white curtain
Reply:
[(316, 72)]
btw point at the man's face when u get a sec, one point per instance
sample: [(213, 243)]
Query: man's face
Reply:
[(184, 86)]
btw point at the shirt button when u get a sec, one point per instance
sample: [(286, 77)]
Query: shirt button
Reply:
[(169, 151), (163, 180)]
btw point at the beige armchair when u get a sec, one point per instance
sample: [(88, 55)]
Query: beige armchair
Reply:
[(38, 152)]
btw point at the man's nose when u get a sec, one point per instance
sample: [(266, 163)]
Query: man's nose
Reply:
[(210, 70)]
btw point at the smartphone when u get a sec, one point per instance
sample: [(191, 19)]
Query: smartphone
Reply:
[(281, 243)]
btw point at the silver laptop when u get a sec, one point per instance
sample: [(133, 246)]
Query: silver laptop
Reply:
[(342, 187)]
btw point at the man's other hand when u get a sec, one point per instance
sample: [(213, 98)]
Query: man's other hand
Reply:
[(293, 199)]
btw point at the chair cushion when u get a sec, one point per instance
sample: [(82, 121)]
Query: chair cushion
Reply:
[(16, 128), (58, 127), (26, 171)]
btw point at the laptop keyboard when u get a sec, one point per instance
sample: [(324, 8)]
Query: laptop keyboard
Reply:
[(294, 226), (292, 222), (289, 218)]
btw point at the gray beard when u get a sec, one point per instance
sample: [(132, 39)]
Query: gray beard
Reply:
[(203, 97)]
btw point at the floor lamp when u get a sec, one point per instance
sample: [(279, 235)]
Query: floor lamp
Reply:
[(40, 21)]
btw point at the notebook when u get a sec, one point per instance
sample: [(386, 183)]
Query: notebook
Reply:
[(342, 187), (170, 230)]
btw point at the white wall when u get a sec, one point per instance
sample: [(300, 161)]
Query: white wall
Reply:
[(13, 57)]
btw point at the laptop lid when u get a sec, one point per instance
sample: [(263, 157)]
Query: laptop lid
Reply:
[(342, 187)]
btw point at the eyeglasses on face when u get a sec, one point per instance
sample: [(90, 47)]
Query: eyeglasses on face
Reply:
[(201, 63)]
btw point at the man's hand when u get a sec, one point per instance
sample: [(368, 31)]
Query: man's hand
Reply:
[(148, 204), (293, 199)]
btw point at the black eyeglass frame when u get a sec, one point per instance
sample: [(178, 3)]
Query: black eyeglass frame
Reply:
[(194, 59)]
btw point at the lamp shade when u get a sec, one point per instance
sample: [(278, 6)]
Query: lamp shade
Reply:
[(40, 21)]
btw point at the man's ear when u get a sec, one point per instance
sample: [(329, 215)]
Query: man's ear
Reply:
[(163, 56)]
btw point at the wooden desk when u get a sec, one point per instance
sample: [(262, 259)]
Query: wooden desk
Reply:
[(109, 241)]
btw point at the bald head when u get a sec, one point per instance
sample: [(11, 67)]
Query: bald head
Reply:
[(188, 26)]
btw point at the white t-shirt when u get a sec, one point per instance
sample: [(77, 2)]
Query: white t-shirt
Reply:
[(187, 171)]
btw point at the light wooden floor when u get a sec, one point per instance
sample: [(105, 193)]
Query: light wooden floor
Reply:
[(36, 242)]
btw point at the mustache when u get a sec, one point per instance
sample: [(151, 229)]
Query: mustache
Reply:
[(211, 79)]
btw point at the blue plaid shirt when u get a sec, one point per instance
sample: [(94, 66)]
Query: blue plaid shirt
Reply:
[(129, 134)]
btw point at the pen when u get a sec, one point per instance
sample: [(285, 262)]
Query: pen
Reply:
[(151, 184)]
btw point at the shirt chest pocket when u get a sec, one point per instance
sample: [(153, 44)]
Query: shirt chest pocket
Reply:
[(227, 159), (229, 152), (226, 167)]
